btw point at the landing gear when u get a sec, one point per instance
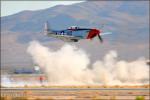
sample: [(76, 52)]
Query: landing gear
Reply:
[(74, 40)]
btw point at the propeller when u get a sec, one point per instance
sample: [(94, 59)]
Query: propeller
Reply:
[(106, 33), (100, 38)]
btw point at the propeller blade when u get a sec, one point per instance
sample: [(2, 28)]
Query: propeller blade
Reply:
[(106, 33), (100, 38)]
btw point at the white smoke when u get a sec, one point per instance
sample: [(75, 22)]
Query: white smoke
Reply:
[(9, 81), (70, 66)]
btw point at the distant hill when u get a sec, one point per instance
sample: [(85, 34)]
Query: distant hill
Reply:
[(128, 20), (121, 17)]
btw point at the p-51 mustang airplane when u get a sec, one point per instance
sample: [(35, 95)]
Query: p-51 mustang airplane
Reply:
[(73, 33)]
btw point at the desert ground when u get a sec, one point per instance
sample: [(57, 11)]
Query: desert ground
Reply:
[(76, 93)]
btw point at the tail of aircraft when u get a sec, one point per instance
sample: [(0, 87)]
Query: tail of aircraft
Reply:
[(46, 28)]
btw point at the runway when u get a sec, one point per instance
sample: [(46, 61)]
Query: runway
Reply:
[(76, 89), (77, 93)]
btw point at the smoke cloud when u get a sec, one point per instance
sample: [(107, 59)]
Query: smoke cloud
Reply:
[(8, 81), (71, 66)]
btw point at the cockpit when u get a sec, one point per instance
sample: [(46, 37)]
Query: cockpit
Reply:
[(73, 27)]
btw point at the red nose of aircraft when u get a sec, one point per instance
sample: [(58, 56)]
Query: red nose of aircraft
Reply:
[(93, 33)]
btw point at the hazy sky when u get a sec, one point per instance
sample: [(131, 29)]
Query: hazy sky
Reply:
[(12, 7)]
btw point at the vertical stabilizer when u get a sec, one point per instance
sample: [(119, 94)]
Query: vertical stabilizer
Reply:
[(46, 28)]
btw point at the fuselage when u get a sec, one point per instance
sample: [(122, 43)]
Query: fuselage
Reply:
[(82, 33), (73, 33)]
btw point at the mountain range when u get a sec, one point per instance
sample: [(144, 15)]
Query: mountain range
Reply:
[(127, 20)]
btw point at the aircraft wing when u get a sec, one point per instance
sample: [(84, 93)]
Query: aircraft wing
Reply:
[(65, 38), (68, 38)]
